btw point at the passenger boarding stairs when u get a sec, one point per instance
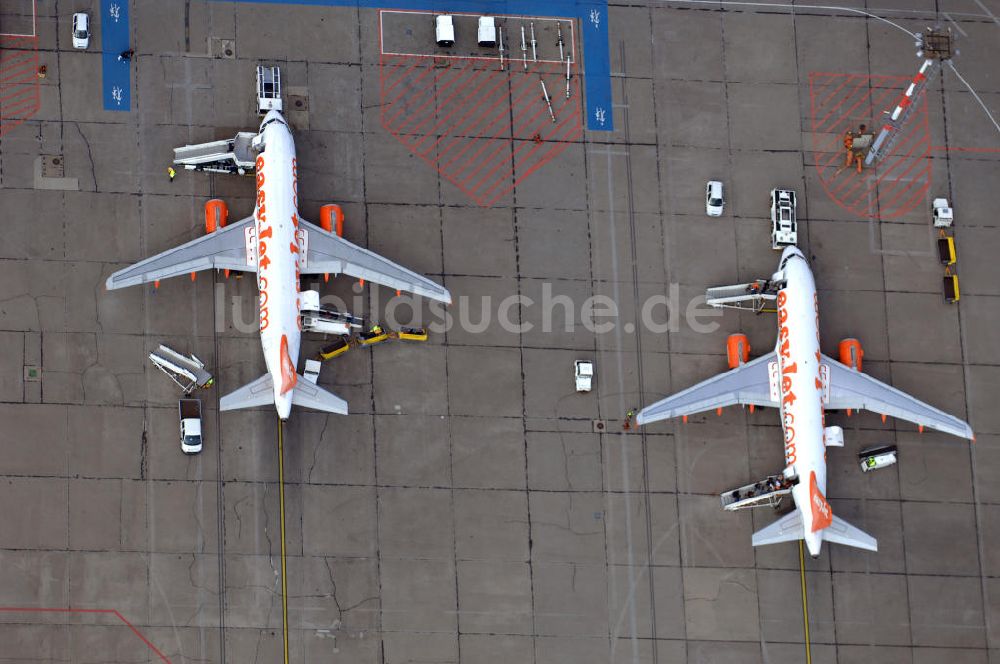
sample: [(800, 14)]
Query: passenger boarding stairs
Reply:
[(235, 155), (768, 492), (747, 297), (186, 370)]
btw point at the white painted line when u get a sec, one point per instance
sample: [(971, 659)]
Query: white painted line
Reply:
[(957, 26), (988, 12)]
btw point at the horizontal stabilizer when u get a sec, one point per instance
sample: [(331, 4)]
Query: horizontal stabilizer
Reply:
[(786, 529), (309, 395), (841, 532), (258, 393)]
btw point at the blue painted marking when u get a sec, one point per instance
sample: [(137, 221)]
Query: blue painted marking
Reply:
[(116, 80), (593, 15)]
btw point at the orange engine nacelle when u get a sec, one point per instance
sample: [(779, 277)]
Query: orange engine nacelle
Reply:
[(737, 350), (331, 219), (216, 215), (851, 353)]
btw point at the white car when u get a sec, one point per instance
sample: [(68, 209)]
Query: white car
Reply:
[(444, 30), (715, 202), (584, 372), (81, 30)]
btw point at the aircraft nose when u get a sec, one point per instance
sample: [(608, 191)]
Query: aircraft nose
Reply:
[(791, 250)]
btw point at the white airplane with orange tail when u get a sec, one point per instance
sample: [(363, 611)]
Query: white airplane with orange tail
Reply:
[(277, 244), (802, 383)]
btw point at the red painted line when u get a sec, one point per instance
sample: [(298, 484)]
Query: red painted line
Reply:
[(22, 75), (441, 124), (561, 146), (402, 76), (401, 94), (830, 96), (524, 89), (489, 142), (22, 114), (838, 149), (19, 92), (498, 151), (430, 97), (900, 159), (865, 97), (18, 104), (17, 61), (458, 76), (889, 205), (875, 188), (850, 95), (143, 638), (513, 158), (35, 609)]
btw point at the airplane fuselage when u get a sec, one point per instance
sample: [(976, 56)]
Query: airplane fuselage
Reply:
[(278, 253), (801, 395)]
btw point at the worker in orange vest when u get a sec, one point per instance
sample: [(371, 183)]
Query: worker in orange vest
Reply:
[(849, 146)]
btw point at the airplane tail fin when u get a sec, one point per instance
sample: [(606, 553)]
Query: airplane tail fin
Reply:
[(841, 532), (308, 395), (786, 529), (258, 393)]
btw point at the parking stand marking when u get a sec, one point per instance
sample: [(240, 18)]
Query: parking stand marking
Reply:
[(116, 79)]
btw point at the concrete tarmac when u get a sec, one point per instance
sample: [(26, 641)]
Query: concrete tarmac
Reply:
[(474, 507)]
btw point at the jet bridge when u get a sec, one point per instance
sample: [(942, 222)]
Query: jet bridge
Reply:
[(236, 155), (747, 297)]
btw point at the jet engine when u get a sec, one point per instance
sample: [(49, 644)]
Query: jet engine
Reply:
[(737, 350), (851, 353), (331, 219), (216, 215)]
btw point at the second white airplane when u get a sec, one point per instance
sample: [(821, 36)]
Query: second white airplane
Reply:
[(279, 245), (802, 383)]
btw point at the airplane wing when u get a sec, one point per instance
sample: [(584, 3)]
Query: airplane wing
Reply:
[(226, 248), (853, 389), (748, 384), (328, 253)]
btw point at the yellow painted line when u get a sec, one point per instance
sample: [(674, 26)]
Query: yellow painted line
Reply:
[(805, 602), (284, 575)]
